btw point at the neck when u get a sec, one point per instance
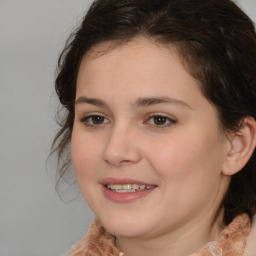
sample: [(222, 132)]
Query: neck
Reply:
[(180, 242)]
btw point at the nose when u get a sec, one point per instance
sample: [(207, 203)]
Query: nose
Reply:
[(121, 147)]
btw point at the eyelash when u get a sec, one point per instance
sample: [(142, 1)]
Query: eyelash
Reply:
[(171, 121), (85, 121)]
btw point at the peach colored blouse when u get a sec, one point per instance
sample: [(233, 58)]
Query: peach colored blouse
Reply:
[(231, 242)]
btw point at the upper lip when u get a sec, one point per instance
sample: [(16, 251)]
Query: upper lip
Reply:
[(111, 180)]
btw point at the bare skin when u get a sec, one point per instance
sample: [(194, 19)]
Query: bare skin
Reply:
[(140, 115)]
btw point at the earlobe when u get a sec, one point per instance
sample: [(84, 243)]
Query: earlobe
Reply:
[(242, 147)]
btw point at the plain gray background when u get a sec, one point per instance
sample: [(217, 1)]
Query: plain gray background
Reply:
[(33, 220)]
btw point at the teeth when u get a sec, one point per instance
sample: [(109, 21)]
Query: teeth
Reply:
[(125, 190), (128, 187), (142, 187), (135, 186)]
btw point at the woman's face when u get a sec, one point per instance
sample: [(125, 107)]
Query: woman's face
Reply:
[(146, 144)]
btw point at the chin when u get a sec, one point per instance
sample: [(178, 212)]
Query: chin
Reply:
[(129, 228)]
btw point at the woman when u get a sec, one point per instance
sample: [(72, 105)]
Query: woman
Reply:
[(161, 108)]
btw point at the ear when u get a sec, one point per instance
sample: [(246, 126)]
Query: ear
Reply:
[(242, 146)]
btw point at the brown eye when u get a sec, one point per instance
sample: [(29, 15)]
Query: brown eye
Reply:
[(94, 120), (160, 121), (97, 119)]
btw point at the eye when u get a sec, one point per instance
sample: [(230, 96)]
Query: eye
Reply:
[(94, 120), (161, 121)]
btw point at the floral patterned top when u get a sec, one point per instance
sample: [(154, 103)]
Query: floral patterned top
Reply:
[(231, 242), (232, 239)]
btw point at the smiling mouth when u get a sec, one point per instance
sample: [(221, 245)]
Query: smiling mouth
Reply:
[(127, 188)]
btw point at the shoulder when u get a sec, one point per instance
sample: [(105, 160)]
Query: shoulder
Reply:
[(250, 249), (96, 242)]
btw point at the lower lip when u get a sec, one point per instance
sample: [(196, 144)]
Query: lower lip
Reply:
[(125, 197)]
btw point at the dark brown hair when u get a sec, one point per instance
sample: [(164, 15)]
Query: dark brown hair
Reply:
[(217, 43)]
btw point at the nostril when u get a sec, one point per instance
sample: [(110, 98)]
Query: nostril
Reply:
[(126, 161), (117, 162)]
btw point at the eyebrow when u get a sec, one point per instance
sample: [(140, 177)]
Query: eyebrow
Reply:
[(140, 102), (91, 101)]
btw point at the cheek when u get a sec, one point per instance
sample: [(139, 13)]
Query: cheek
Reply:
[(189, 170), (84, 155), (186, 157)]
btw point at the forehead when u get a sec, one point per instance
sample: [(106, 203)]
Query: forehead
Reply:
[(140, 58), (137, 69)]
